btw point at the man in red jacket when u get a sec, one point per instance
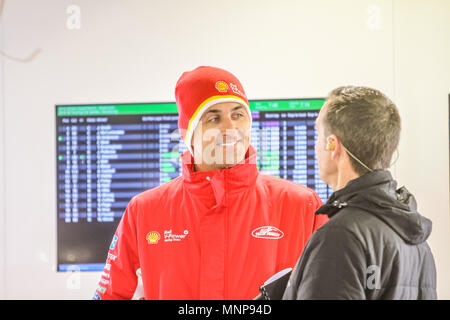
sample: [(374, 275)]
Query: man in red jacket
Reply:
[(222, 228)]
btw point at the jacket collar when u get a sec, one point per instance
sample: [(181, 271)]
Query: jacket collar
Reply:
[(340, 198), (375, 193), (241, 175), (365, 181)]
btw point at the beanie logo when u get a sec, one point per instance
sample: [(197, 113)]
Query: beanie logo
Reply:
[(221, 86), (236, 90)]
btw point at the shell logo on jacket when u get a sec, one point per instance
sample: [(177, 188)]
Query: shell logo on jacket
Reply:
[(153, 237)]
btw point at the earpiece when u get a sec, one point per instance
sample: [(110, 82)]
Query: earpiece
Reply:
[(330, 144)]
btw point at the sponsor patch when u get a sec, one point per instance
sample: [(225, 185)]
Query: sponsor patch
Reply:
[(96, 296), (113, 243), (268, 232), (169, 236), (153, 237)]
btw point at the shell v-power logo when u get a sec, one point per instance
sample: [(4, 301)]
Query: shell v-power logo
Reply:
[(153, 237)]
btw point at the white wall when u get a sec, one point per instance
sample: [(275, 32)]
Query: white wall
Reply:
[(135, 51), (422, 88), (2, 177)]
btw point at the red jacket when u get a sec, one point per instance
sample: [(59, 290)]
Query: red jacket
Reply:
[(210, 235)]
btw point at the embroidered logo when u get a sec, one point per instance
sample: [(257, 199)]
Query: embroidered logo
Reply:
[(236, 90), (152, 237), (170, 237), (113, 243), (221, 86), (268, 232)]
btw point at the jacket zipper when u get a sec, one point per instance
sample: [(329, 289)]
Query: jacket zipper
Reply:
[(225, 287)]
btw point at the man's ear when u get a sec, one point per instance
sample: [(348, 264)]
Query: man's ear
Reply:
[(333, 145)]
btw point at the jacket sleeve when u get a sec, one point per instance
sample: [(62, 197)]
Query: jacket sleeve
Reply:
[(332, 266), (119, 278)]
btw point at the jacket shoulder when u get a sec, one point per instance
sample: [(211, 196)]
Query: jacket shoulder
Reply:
[(280, 187), (279, 184), (366, 228), (354, 221), (160, 192)]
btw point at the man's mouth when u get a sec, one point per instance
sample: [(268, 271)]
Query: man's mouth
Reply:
[(228, 142)]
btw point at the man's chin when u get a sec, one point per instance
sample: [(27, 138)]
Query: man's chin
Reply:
[(234, 158)]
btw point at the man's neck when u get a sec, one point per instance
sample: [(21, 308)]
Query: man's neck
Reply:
[(343, 176), (198, 167)]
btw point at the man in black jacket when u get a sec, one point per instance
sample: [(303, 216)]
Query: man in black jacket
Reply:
[(374, 245)]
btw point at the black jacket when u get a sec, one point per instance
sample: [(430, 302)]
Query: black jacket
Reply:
[(373, 246)]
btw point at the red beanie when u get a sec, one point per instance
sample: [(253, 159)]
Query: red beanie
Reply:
[(198, 90)]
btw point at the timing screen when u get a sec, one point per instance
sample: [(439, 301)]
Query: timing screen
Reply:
[(106, 154)]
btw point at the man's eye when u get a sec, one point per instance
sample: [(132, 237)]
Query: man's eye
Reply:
[(238, 115), (213, 119)]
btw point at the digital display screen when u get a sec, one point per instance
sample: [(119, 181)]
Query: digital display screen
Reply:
[(108, 153)]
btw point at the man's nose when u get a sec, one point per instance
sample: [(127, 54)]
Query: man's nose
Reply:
[(227, 124)]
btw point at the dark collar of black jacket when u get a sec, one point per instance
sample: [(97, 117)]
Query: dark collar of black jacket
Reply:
[(340, 198)]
